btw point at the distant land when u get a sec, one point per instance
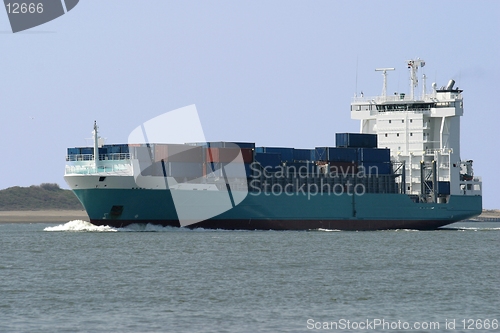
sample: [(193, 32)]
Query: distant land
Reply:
[(488, 215), (46, 196)]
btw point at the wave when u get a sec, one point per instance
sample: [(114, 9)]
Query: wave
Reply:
[(84, 226), (325, 230), (79, 225), (471, 229)]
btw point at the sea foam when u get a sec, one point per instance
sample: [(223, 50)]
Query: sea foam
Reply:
[(79, 225)]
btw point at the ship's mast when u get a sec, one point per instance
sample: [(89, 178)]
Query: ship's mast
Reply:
[(96, 144), (413, 66), (384, 73)]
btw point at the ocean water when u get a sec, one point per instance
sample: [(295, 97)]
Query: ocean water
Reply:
[(76, 277)]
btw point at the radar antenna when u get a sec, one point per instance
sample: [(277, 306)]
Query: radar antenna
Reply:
[(384, 73)]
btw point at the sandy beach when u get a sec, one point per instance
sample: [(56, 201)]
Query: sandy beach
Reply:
[(42, 216)]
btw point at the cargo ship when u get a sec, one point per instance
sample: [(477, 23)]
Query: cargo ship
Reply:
[(401, 171)]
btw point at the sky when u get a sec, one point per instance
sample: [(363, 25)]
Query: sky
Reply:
[(277, 73)]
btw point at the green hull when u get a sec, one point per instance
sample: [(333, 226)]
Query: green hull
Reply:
[(120, 207)]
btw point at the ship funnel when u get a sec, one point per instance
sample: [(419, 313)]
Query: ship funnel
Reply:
[(450, 85)]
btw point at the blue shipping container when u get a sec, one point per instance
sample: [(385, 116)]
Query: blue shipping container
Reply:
[(342, 154), (301, 168), (285, 153), (304, 154), (375, 168), (244, 144), (268, 160), (223, 144), (356, 140), (374, 154)]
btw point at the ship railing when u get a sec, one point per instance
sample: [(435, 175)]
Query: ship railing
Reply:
[(102, 157), (381, 99), (114, 168), (424, 111), (389, 98), (402, 97)]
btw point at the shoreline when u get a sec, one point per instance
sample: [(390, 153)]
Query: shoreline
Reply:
[(42, 216)]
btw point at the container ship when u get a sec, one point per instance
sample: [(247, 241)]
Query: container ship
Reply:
[(402, 171)]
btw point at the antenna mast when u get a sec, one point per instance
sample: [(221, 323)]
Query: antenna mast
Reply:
[(413, 66), (384, 73), (96, 145)]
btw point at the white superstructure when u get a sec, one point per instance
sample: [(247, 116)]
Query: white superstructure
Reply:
[(423, 132)]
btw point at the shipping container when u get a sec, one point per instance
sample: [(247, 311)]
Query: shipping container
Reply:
[(376, 168), (342, 154), (304, 155), (285, 153), (356, 140), (231, 170), (268, 160), (338, 169), (301, 168), (178, 153), (226, 155), (374, 154), (216, 144), (224, 144), (200, 144), (243, 145), (184, 169)]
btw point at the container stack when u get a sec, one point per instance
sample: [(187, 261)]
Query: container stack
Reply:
[(220, 159), (356, 140)]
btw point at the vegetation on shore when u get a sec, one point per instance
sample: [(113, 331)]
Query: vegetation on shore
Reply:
[(38, 197)]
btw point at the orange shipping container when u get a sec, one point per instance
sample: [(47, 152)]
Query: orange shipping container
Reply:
[(226, 155), (178, 153)]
